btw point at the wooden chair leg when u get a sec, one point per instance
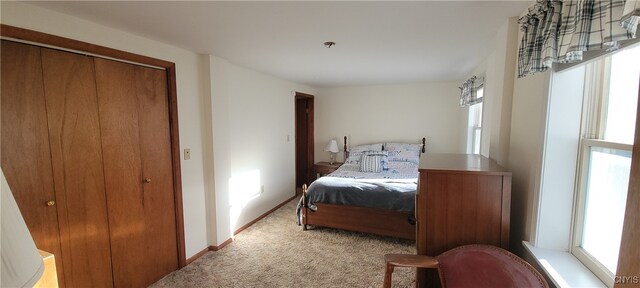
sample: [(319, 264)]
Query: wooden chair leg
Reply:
[(387, 276), (406, 260)]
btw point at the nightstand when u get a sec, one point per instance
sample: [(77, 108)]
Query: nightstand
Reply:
[(324, 168)]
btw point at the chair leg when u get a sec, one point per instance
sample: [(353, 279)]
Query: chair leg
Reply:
[(387, 276)]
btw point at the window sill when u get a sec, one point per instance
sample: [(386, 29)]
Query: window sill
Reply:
[(563, 268)]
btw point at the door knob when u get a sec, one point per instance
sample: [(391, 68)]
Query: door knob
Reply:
[(50, 203), (146, 180)]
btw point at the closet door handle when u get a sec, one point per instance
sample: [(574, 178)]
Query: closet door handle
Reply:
[(146, 180), (50, 203)]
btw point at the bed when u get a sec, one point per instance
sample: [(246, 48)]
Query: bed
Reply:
[(378, 200)]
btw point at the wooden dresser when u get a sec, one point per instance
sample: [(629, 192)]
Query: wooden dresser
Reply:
[(461, 199)]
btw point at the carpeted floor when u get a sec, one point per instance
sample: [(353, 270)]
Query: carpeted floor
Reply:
[(275, 252)]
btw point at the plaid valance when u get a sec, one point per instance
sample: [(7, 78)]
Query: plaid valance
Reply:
[(560, 31), (469, 91), (631, 16)]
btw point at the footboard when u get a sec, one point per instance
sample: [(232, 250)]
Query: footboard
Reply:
[(360, 219), (304, 210)]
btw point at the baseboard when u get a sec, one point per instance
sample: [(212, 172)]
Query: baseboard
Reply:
[(198, 255), (218, 247), (225, 243)]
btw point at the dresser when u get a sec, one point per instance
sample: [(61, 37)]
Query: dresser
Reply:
[(461, 199)]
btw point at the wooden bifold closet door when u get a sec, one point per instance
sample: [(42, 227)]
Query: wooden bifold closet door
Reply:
[(86, 152), (76, 156), (137, 166), (26, 157)]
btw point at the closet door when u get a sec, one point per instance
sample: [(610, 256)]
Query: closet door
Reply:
[(76, 155), (26, 156), (136, 150)]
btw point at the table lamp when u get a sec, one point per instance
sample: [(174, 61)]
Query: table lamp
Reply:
[(332, 148)]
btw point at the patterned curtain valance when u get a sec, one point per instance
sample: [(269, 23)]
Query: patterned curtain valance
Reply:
[(469, 91), (557, 31)]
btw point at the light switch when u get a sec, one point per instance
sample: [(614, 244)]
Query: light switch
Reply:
[(187, 154)]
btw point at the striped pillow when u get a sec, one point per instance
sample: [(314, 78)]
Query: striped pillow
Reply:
[(355, 152), (371, 163), (383, 158)]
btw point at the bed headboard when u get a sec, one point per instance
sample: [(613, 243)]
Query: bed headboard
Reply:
[(346, 150)]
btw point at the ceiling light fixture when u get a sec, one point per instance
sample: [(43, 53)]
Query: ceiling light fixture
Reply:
[(328, 44)]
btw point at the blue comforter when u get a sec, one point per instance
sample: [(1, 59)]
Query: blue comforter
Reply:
[(389, 194)]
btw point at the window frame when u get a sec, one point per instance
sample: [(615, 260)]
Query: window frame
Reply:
[(476, 142), (472, 129), (595, 107), (585, 257)]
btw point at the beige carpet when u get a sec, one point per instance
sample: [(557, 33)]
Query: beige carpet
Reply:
[(275, 252)]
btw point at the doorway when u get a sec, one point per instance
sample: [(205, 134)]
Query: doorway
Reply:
[(304, 140)]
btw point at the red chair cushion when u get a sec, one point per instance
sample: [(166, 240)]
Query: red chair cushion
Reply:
[(486, 266)]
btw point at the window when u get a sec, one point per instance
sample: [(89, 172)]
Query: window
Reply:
[(605, 160), (475, 125)]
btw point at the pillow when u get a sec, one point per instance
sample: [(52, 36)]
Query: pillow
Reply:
[(404, 156), (381, 153), (371, 163), (355, 153), (384, 159), (354, 158), (367, 147), (402, 147)]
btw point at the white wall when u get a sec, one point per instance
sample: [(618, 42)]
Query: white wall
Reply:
[(498, 70), (529, 112), (190, 85), (405, 113), (253, 114), (504, 73)]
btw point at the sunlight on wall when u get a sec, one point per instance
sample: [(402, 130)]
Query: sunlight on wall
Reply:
[(243, 188)]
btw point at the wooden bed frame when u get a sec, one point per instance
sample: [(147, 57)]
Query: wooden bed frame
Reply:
[(368, 220)]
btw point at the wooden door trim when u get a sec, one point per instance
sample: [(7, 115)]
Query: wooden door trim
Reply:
[(71, 44), (175, 157), (12, 32), (310, 137)]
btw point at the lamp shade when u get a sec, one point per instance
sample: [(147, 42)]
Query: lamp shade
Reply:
[(22, 264), (332, 147)]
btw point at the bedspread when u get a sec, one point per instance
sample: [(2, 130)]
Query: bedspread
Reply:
[(390, 190)]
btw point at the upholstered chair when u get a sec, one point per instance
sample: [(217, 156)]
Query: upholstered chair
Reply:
[(469, 266)]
